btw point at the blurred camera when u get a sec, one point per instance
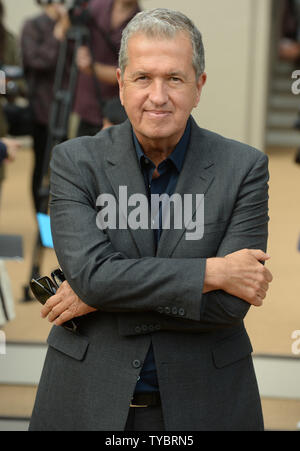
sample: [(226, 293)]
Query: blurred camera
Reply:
[(77, 9), (11, 75)]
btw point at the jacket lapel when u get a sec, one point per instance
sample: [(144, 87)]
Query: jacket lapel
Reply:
[(195, 178)]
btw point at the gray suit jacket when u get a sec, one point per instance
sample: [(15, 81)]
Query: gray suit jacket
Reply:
[(201, 347)]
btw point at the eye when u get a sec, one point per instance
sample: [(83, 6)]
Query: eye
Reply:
[(142, 78), (175, 80)]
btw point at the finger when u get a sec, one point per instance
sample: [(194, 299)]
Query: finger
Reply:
[(265, 287), (259, 254), (262, 294), (67, 315), (50, 304), (268, 275), (258, 300), (58, 310)]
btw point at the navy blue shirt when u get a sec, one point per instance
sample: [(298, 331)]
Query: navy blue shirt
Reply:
[(169, 171), (3, 152)]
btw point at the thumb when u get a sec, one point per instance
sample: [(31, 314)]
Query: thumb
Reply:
[(259, 254)]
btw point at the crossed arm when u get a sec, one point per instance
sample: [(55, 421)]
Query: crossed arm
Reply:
[(217, 290)]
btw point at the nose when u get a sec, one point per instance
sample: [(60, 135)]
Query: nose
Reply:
[(158, 93)]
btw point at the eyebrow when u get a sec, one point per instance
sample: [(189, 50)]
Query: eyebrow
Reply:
[(140, 72), (170, 74)]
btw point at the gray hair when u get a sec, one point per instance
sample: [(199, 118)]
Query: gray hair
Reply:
[(166, 23)]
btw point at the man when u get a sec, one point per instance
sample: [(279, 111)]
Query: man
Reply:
[(40, 42), (97, 81), (159, 316)]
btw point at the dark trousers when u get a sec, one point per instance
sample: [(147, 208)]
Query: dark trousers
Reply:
[(145, 419)]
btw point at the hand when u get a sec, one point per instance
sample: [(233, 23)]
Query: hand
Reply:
[(63, 23), (64, 306), (246, 277), (84, 60), (12, 146)]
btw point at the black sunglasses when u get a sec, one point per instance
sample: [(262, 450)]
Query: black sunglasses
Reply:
[(44, 288)]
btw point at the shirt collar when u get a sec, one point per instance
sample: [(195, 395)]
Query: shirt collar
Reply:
[(178, 154)]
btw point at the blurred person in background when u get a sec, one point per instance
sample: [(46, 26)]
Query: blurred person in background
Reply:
[(40, 42), (97, 79), (9, 56), (289, 46)]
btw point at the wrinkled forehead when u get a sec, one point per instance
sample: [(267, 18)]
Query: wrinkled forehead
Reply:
[(141, 44), (155, 35), (148, 51)]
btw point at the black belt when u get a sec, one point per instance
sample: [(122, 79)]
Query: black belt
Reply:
[(146, 400)]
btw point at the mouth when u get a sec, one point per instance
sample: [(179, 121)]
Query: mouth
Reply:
[(157, 114)]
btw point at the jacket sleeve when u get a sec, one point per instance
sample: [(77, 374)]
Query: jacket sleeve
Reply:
[(248, 229), (109, 281)]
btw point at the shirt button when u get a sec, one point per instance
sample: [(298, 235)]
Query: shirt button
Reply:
[(136, 364), (147, 161), (175, 310)]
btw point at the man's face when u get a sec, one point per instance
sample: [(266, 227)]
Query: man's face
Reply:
[(159, 87)]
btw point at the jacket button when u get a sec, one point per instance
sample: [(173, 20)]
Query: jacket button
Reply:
[(160, 309), (181, 312), (138, 329), (144, 328), (136, 364), (167, 310), (175, 310)]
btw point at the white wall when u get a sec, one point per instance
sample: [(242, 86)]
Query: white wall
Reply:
[(236, 38), (17, 11)]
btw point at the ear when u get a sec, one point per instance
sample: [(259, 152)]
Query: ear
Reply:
[(121, 85), (200, 83)]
